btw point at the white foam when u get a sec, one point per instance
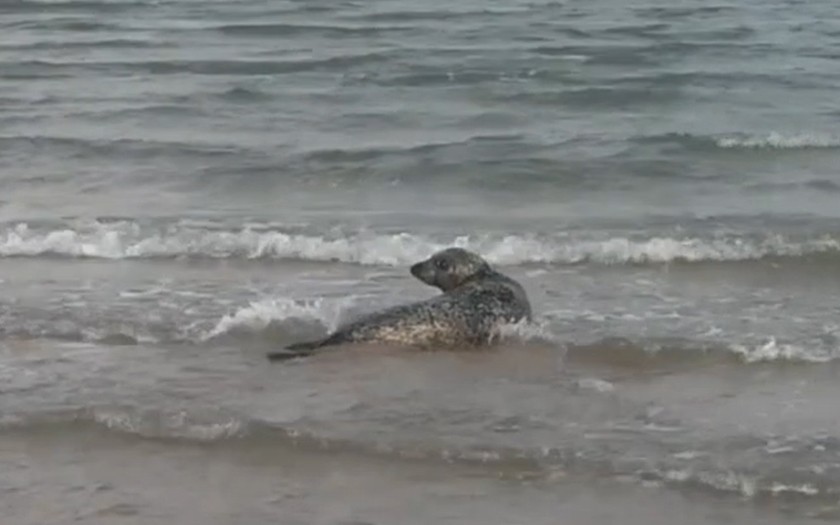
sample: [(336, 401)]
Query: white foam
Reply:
[(127, 240), (776, 140), (534, 331), (21, 241), (598, 385), (662, 250), (259, 315), (746, 486), (774, 351), (179, 424), (730, 481), (804, 489)]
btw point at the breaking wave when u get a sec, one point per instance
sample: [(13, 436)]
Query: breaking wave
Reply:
[(776, 140), (746, 141), (261, 315), (128, 240)]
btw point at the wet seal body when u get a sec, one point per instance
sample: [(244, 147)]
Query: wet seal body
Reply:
[(476, 300)]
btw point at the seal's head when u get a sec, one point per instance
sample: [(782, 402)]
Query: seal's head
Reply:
[(449, 268)]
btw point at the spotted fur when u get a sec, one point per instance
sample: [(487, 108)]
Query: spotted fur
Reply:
[(476, 300)]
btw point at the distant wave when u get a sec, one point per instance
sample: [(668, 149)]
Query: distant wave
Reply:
[(595, 97), (128, 240), (42, 6), (273, 29), (745, 141), (100, 43), (779, 141), (123, 146), (58, 68)]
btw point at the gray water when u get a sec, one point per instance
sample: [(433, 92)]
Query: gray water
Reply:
[(189, 184)]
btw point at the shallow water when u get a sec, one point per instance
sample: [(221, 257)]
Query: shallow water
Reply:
[(187, 185)]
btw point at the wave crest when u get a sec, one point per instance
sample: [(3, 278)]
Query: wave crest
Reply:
[(775, 140), (258, 316), (536, 331), (773, 351), (173, 424), (128, 240)]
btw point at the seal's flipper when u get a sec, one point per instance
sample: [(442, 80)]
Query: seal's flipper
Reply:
[(295, 350), (305, 347), (285, 355)]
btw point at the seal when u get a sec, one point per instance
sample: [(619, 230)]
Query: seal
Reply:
[(475, 302)]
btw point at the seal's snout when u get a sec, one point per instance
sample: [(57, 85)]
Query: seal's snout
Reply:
[(424, 272), (416, 269)]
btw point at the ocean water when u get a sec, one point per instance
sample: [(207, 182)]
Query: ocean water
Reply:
[(189, 184)]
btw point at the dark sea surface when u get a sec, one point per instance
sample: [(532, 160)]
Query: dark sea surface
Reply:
[(186, 185)]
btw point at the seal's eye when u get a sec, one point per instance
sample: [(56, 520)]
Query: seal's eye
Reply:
[(442, 264)]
